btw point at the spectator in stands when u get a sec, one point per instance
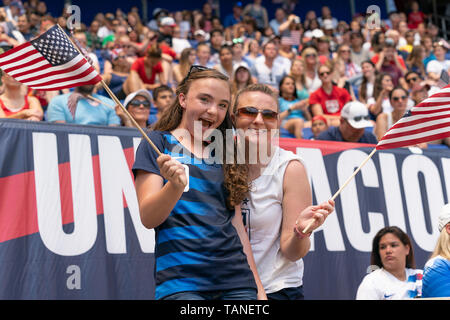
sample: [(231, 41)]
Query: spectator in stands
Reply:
[(181, 69), (267, 70), (15, 103), (396, 277), (352, 128), (163, 98), (398, 98), (138, 106), (225, 64), (414, 61), (358, 53), (365, 91), (6, 40), (145, 70), (415, 17), (277, 21), (166, 28), (253, 51), (376, 44), (352, 70), (329, 99), (278, 212), (380, 101), (427, 42), (339, 77), (326, 15), (116, 72), (311, 62), (293, 110), (203, 55), (238, 54), (242, 78), (82, 106), (436, 273), (216, 43), (318, 125), (324, 49), (435, 67), (298, 73), (24, 27), (235, 17), (388, 61), (257, 12), (92, 38)]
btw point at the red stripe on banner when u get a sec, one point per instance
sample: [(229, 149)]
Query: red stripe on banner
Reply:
[(408, 143), (29, 63), (53, 73), (19, 213)]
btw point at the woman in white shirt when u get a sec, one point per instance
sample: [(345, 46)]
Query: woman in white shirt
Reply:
[(395, 277), (278, 207)]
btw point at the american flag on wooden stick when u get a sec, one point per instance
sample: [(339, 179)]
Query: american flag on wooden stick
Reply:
[(428, 121), (49, 62)]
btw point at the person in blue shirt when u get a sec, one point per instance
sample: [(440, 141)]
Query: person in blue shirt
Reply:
[(202, 251), (352, 128), (78, 107), (235, 17), (436, 274)]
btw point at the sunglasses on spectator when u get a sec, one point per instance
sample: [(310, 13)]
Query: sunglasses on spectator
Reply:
[(344, 51), (359, 118), (252, 113), (238, 40), (309, 55), (399, 98), (324, 73), (137, 103), (412, 79)]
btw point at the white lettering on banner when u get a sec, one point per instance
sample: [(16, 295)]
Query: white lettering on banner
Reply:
[(347, 162), (412, 166), (317, 175), (392, 193), (48, 194), (74, 280), (117, 182)]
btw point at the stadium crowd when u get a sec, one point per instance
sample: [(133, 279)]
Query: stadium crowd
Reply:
[(317, 62)]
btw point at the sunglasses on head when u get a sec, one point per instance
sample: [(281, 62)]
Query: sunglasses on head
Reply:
[(195, 68), (399, 98), (238, 40), (137, 103), (252, 113)]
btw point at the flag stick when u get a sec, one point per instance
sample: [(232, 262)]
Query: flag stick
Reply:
[(117, 101), (306, 230)]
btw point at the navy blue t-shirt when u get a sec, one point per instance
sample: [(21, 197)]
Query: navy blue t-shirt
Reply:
[(333, 134), (197, 247)]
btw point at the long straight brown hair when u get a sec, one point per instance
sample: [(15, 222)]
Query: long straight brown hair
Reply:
[(235, 175)]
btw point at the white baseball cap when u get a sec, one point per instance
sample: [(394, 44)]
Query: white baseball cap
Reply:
[(357, 114), (317, 33), (131, 96), (444, 217), (168, 21), (328, 24)]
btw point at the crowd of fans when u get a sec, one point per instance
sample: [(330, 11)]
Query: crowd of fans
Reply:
[(317, 62)]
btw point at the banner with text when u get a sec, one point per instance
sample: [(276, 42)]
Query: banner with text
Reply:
[(70, 225)]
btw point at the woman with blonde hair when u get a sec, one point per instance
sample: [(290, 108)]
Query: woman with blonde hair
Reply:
[(436, 275), (187, 59), (311, 59)]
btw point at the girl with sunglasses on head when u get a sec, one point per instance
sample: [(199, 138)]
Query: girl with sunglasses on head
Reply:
[(277, 206), (202, 251), (311, 61), (293, 111)]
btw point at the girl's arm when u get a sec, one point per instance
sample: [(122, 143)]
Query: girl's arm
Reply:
[(157, 200), (239, 226)]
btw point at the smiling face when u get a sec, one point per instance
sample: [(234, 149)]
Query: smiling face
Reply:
[(393, 252), (139, 108), (254, 126), (207, 101)]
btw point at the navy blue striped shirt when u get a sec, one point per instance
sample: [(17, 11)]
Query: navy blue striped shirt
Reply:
[(197, 247)]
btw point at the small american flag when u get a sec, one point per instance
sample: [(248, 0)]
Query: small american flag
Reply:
[(428, 121), (49, 62)]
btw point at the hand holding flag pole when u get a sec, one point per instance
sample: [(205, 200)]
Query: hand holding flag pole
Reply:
[(428, 121)]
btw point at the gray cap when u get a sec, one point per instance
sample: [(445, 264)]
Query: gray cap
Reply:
[(132, 95)]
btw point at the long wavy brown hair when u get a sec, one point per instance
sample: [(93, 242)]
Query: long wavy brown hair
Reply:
[(235, 175)]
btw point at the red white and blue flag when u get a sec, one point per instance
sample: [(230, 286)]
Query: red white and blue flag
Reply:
[(428, 121), (49, 62)]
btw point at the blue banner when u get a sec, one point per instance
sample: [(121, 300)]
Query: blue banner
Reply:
[(70, 225)]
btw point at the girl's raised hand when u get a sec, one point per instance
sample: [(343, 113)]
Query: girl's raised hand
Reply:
[(172, 170)]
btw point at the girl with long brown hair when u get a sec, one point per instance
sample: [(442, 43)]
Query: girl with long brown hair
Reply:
[(202, 251)]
